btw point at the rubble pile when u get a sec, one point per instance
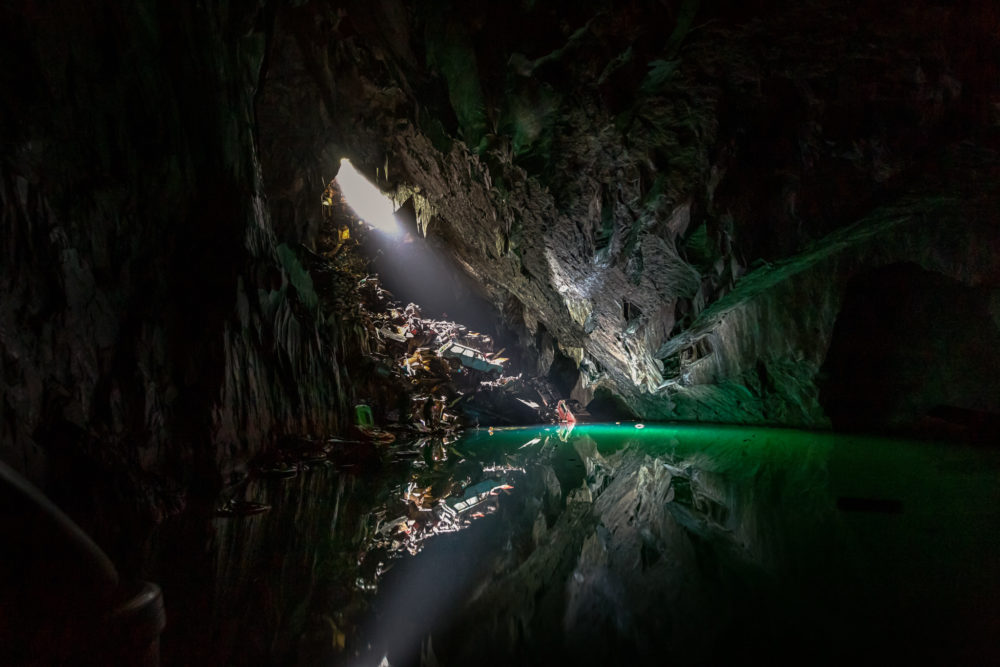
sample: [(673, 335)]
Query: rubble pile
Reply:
[(438, 376), (416, 376)]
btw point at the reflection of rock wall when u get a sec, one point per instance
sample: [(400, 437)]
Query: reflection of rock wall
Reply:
[(703, 548), (624, 568), (276, 587)]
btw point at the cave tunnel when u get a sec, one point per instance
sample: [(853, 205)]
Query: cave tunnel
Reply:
[(675, 338), (912, 346)]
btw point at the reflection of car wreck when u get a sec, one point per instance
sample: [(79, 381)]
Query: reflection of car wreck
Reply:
[(475, 496)]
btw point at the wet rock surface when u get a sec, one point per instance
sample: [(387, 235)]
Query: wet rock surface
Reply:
[(750, 358), (139, 276)]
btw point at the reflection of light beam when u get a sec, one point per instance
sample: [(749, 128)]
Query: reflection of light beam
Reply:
[(533, 441), (367, 200)]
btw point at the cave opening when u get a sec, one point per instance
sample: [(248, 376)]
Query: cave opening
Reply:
[(375, 208)]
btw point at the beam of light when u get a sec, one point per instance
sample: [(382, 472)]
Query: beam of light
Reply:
[(367, 200)]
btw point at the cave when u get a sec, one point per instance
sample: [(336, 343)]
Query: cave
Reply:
[(752, 250)]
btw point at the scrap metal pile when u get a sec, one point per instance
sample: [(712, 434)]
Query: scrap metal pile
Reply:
[(444, 375)]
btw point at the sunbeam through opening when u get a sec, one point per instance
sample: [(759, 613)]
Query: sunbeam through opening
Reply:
[(366, 200)]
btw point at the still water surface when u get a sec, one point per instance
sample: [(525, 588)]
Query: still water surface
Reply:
[(610, 544)]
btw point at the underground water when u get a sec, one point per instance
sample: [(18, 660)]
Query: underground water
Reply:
[(606, 544)]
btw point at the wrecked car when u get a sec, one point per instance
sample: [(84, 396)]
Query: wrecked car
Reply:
[(469, 357)]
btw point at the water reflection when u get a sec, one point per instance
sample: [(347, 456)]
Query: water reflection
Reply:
[(613, 545)]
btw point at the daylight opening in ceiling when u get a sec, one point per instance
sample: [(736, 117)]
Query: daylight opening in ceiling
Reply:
[(366, 200)]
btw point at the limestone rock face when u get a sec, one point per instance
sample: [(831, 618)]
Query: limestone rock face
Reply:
[(608, 173)]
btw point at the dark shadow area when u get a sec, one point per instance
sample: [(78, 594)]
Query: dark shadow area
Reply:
[(606, 406), (563, 373), (910, 351)]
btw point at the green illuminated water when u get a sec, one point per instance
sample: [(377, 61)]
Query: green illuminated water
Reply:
[(623, 545), (617, 545)]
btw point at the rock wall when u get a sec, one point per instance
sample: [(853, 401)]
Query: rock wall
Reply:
[(153, 335), (608, 173), (760, 354)]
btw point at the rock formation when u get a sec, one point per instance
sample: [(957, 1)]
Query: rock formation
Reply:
[(670, 201)]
